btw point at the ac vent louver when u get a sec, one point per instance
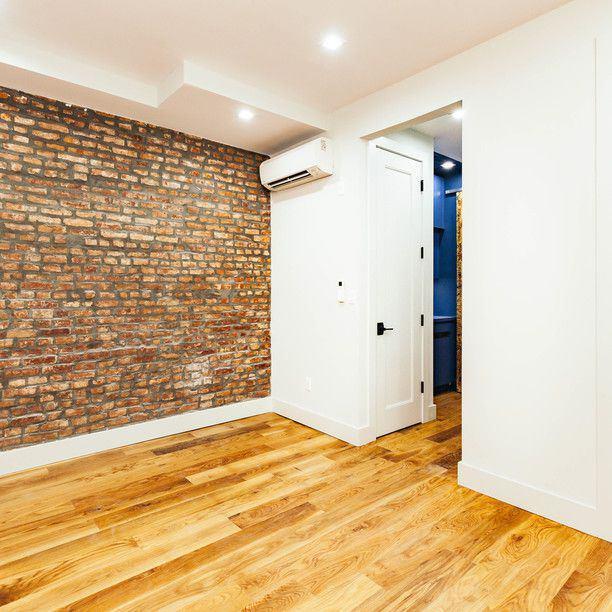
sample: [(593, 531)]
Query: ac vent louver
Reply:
[(289, 179)]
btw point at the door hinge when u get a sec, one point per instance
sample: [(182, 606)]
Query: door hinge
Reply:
[(422, 185), (422, 252), (422, 386), (422, 320)]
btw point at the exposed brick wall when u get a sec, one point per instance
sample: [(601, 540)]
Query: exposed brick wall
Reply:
[(134, 272)]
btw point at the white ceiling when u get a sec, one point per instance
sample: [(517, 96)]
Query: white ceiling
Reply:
[(446, 132), (150, 57)]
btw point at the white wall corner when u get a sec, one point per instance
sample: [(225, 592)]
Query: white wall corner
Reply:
[(38, 455), (431, 413), (358, 436)]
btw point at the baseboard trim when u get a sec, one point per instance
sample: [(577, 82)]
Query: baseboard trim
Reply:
[(544, 503), (358, 436), (38, 455), (431, 413)]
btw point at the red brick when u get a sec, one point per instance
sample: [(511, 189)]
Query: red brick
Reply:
[(135, 272)]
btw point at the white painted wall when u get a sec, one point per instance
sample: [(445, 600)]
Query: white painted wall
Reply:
[(319, 237), (537, 344), (316, 242)]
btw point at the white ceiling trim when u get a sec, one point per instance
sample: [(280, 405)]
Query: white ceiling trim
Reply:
[(200, 77), (163, 104), (77, 73)]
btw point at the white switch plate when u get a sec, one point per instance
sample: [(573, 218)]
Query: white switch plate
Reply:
[(308, 384)]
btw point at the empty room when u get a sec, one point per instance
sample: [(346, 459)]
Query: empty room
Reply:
[(305, 306)]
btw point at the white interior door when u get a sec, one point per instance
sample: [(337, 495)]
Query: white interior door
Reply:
[(399, 291)]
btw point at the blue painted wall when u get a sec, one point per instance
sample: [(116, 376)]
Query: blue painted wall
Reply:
[(445, 273), (445, 243)]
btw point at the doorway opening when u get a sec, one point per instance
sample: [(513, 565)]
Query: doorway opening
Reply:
[(447, 272), (416, 198)]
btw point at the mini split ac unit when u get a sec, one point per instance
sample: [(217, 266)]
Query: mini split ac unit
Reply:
[(308, 162)]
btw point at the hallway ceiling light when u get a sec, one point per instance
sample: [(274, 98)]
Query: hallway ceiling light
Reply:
[(447, 165), (246, 114), (457, 114), (332, 42)]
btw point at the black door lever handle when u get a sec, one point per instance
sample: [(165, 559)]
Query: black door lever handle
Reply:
[(381, 329)]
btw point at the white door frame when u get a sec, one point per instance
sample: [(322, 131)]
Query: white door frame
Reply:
[(428, 408)]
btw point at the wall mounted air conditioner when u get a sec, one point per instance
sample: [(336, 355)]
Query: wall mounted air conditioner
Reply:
[(308, 162)]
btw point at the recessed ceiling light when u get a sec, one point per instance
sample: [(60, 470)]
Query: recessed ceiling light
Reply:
[(458, 114), (332, 42), (447, 165), (246, 114)]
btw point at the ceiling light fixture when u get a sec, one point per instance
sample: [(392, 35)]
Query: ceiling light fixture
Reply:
[(457, 114), (332, 42), (246, 114), (447, 165)]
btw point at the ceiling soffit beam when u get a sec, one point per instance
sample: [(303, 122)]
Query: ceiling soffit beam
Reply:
[(78, 83), (197, 76), (36, 64)]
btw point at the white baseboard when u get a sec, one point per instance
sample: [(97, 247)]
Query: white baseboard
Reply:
[(545, 503), (357, 436), (46, 453), (431, 413), (77, 446)]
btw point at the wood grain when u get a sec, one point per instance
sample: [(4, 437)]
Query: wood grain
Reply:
[(266, 514)]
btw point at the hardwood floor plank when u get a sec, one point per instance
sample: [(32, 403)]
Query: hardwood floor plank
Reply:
[(446, 434), (203, 440), (589, 587), (537, 592), (182, 566), (440, 554), (110, 559), (141, 507), (251, 466), (39, 535), (450, 460), (298, 552), (346, 596), (265, 513), (509, 562), (16, 482)]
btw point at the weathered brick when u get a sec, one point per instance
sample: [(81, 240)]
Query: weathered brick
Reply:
[(76, 222), (134, 272)]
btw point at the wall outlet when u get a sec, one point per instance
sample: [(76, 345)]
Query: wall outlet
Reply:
[(308, 384)]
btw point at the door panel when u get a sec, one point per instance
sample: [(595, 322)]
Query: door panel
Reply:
[(399, 289)]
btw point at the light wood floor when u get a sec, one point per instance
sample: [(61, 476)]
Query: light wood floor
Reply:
[(267, 514)]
